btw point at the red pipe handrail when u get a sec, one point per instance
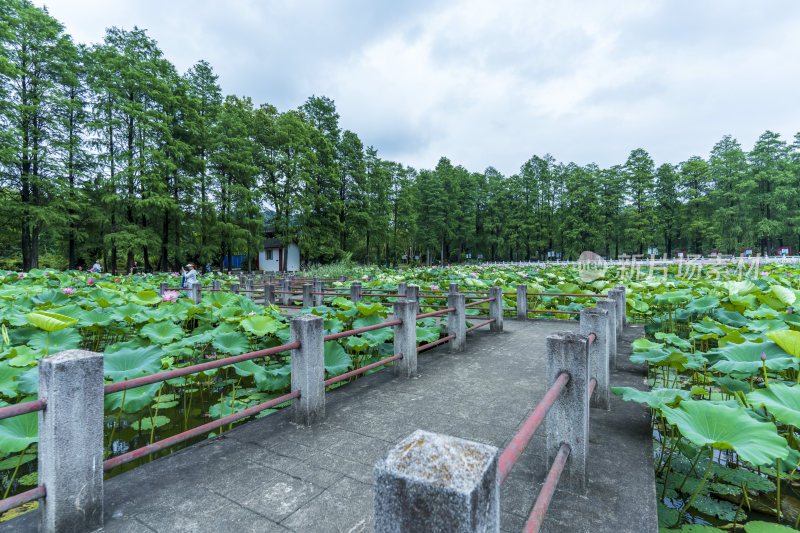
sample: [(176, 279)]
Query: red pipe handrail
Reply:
[(430, 345), (334, 336), (361, 370), (548, 488), (194, 432), (193, 369), (23, 408), (22, 498), (592, 386), (554, 311), (435, 313), (479, 302), (562, 294), (517, 445), (480, 325), (383, 295)]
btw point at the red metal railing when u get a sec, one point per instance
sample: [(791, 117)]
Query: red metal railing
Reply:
[(23, 408), (517, 445), (194, 432), (428, 346), (539, 510), (554, 311), (480, 324), (20, 499), (361, 370), (334, 336), (479, 302), (435, 313)]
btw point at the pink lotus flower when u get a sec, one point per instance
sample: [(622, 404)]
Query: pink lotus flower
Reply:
[(21, 275), (170, 296), (473, 274), (68, 290), (434, 287), (47, 274), (524, 275), (80, 268), (90, 282), (116, 280)]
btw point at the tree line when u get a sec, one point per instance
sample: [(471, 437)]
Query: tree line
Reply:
[(107, 151)]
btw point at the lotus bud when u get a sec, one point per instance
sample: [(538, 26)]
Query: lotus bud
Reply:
[(763, 356)]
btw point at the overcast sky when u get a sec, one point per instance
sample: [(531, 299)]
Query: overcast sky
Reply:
[(492, 83)]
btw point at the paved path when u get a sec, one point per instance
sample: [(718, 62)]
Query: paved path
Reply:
[(270, 475)]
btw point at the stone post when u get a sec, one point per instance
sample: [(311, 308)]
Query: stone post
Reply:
[(71, 441), (286, 289), (405, 338), (162, 288), (242, 279), (319, 286), (269, 293), (595, 320), (611, 307), (355, 292), (308, 298), (194, 292), (453, 288), (496, 309), (457, 322), (371, 277), (522, 302), (217, 285), (433, 482), (248, 286), (412, 293), (308, 369), (402, 288), (619, 302), (343, 278), (568, 419), (235, 288), (624, 310)]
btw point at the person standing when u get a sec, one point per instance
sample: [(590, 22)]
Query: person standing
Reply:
[(96, 267), (189, 276)]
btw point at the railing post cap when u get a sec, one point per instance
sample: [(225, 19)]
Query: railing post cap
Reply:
[(307, 318), (68, 356), (566, 336), (593, 311)]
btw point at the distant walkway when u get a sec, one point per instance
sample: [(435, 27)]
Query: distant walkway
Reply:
[(270, 475)]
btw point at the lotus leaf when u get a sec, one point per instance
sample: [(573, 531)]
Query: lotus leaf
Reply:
[(28, 381), (259, 325), (781, 401), (50, 321), (702, 305), (135, 399), (731, 318), (50, 297), (129, 363), (24, 356), (148, 423), (337, 361), (161, 332), (674, 340), (655, 398), (728, 428), (370, 320), (643, 345), (232, 343), (371, 309), (146, 298), (745, 358), (93, 318), (788, 340), (8, 387), (757, 526), (19, 432)]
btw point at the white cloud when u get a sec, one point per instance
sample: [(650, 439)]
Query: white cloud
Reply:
[(493, 83)]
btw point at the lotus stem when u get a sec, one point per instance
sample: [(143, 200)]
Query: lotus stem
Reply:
[(153, 420), (697, 490), (778, 485), (116, 423), (14, 475), (694, 463)]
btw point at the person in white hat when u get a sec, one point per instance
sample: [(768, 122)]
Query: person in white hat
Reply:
[(189, 276)]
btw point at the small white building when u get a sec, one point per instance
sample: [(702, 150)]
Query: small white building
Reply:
[(271, 258)]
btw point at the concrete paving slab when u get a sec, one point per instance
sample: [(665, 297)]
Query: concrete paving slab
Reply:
[(271, 475)]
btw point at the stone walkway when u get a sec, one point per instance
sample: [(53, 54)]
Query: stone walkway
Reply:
[(270, 475)]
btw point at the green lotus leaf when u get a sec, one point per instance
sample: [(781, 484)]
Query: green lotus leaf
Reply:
[(161, 332), (147, 423), (702, 305), (731, 318), (276, 378), (358, 343), (23, 356), (765, 311), (664, 357), (28, 381), (8, 387), (766, 324), (732, 385), (93, 318), (219, 299), (757, 526), (50, 321), (50, 297), (59, 341), (370, 320), (674, 340), (728, 428), (379, 336), (740, 287), (18, 432), (333, 325), (785, 295), (158, 314), (428, 334), (671, 298), (371, 309), (129, 312), (337, 361), (224, 408), (135, 399), (229, 312), (342, 303), (260, 326), (146, 298), (788, 340), (781, 401), (655, 398), (129, 363), (643, 345), (746, 302), (231, 343), (745, 358)]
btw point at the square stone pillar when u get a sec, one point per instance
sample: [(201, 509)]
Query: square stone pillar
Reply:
[(496, 309), (522, 302), (432, 482), (595, 320), (611, 308), (355, 292), (457, 322), (308, 299), (405, 338), (308, 369)]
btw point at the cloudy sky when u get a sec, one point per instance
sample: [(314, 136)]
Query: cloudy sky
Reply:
[(491, 83)]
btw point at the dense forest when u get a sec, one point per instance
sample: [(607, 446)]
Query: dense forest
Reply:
[(107, 151)]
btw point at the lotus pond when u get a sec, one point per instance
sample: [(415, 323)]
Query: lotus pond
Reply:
[(722, 351)]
